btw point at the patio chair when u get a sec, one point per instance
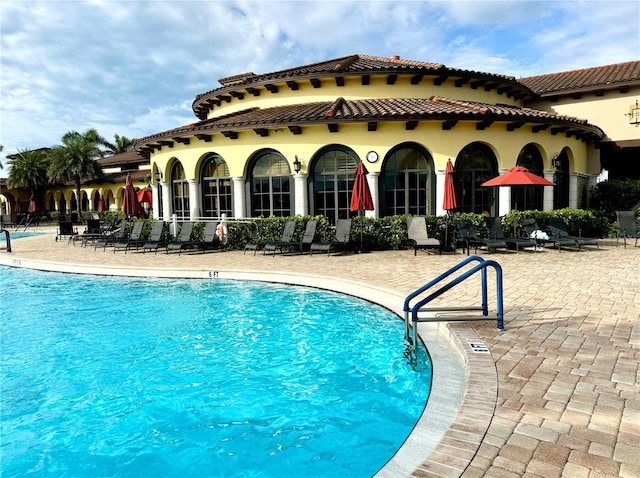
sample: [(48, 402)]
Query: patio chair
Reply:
[(110, 238), (560, 235), (339, 242), (286, 239), (627, 226), (157, 237), (183, 240), (134, 239), (418, 235), (92, 232), (308, 236), (496, 232), (66, 229), (209, 239), (467, 235)]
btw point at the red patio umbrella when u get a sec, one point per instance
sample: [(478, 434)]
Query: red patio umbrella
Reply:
[(33, 205), (130, 204), (144, 195), (102, 204), (361, 195), (450, 201), (518, 176)]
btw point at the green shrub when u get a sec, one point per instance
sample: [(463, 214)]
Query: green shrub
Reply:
[(615, 195)]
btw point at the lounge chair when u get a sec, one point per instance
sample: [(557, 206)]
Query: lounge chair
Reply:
[(496, 232), (134, 239), (157, 237), (66, 229), (467, 235), (92, 232), (627, 225), (308, 236), (286, 239), (183, 240), (110, 238), (418, 236), (340, 241), (560, 235), (209, 239)]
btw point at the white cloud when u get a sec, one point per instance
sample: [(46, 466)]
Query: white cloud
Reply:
[(134, 67)]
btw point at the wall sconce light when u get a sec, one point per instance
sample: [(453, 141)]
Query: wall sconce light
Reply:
[(296, 164), (158, 176), (634, 114), (556, 161)]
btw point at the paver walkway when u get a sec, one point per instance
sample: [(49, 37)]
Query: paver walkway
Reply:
[(568, 393)]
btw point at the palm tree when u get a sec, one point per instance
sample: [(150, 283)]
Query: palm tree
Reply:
[(122, 145), (28, 170), (75, 159)]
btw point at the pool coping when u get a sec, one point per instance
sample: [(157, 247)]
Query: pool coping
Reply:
[(460, 407)]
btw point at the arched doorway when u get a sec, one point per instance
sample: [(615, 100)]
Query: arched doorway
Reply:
[(528, 197), (476, 164), (180, 191), (561, 178), (217, 192), (332, 182), (407, 182), (270, 185)]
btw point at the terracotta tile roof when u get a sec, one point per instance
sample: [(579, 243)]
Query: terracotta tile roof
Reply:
[(587, 79), (349, 111), (356, 65), (125, 160)]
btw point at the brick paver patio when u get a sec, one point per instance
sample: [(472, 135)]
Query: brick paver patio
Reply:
[(559, 393)]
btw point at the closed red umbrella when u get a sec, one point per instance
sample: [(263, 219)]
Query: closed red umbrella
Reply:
[(102, 204), (361, 199), (518, 176), (33, 205), (450, 201), (361, 196), (130, 204)]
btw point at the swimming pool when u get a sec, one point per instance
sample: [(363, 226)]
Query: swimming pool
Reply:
[(131, 377)]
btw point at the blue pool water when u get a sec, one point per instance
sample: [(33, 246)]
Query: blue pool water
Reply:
[(107, 376)]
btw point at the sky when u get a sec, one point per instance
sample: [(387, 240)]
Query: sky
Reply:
[(133, 68)]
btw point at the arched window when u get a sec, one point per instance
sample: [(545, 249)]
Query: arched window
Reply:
[(216, 187), (476, 164), (528, 197), (180, 188), (407, 183), (333, 176), (561, 178), (271, 191)]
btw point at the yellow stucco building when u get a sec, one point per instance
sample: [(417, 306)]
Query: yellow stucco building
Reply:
[(288, 142)]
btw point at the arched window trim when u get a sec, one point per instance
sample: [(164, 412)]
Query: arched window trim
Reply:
[(335, 203), (270, 194), (410, 206), (216, 192)]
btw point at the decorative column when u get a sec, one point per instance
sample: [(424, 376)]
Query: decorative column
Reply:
[(440, 177), (155, 200), (166, 200), (239, 203), (548, 193), (573, 190), (504, 200), (194, 199), (372, 181), (300, 187)]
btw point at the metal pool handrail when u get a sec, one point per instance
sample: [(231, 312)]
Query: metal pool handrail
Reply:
[(411, 312)]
